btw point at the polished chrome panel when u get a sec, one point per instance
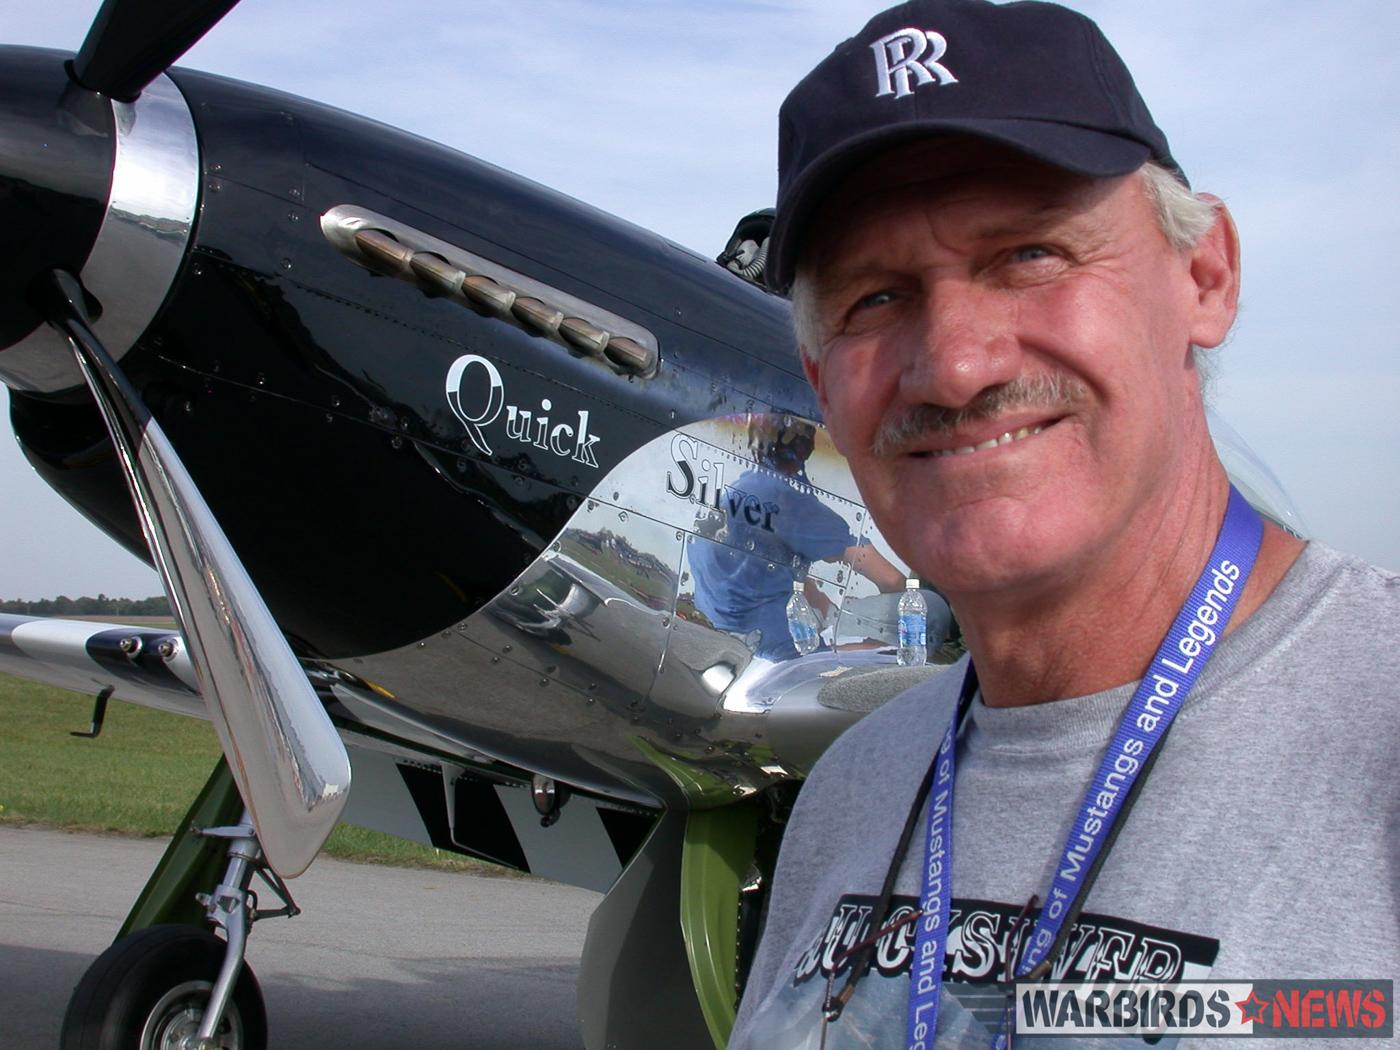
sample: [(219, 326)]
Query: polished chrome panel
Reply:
[(812, 701), (387, 246), (141, 243), (289, 763), (383, 713), (596, 667)]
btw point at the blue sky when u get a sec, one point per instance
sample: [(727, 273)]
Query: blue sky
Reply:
[(664, 113)]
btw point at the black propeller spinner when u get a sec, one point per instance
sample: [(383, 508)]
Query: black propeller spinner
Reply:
[(57, 142)]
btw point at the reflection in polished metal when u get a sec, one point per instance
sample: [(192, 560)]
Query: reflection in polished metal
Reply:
[(151, 207), (290, 765), (718, 677), (389, 247), (638, 693)]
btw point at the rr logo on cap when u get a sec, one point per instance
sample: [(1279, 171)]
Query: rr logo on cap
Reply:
[(902, 53)]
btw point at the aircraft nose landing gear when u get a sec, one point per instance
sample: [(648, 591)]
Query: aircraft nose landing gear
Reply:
[(177, 987)]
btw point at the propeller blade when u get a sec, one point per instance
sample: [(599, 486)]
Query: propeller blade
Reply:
[(287, 758), (132, 42)]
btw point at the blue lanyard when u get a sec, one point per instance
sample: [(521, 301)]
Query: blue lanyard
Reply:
[(1141, 730)]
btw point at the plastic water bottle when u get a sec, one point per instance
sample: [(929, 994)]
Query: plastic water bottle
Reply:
[(913, 625), (802, 621)]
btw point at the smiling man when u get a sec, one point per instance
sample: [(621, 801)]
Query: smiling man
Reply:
[(1001, 283)]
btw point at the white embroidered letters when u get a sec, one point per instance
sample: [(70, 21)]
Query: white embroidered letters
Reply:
[(909, 52)]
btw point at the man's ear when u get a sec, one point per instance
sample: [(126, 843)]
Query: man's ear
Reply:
[(1215, 272), (813, 369)]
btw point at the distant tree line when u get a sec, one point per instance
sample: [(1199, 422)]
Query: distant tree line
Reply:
[(87, 606)]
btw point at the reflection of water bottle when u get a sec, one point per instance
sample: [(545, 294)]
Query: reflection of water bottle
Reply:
[(802, 621), (913, 624)]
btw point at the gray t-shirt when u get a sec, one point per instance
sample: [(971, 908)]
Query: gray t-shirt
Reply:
[(1265, 843)]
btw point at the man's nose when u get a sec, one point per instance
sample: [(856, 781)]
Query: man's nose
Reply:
[(966, 343)]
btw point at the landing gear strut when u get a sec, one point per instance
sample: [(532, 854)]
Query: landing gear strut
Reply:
[(175, 987)]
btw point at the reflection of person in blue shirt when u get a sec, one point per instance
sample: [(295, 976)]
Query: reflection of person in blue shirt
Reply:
[(774, 528)]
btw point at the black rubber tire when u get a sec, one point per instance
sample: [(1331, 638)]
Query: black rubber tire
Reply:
[(116, 997)]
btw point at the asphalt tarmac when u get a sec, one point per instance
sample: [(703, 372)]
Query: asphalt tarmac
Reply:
[(380, 959)]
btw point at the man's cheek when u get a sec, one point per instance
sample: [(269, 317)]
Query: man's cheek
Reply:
[(835, 414), (838, 433), (848, 399)]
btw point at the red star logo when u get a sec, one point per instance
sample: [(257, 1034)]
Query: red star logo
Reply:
[(1252, 1008)]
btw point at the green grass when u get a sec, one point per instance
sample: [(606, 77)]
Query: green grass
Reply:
[(139, 776)]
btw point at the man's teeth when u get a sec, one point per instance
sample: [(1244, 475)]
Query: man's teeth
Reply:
[(1005, 439)]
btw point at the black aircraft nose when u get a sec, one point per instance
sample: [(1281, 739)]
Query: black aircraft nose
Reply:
[(56, 157)]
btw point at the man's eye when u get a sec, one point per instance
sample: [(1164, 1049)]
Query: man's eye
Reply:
[(1030, 253), (874, 299)]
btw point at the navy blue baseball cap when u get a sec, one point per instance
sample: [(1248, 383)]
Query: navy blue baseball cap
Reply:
[(1034, 76)]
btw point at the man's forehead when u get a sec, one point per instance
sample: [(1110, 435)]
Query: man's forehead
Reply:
[(1016, 191)]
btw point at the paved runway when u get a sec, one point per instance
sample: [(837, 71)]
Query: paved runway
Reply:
[(380, 959)]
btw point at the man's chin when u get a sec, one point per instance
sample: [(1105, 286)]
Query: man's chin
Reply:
[(984, 549)]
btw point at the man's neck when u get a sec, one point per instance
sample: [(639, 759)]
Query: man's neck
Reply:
[(1092, 635)]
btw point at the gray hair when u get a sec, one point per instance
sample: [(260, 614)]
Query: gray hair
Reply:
[(1183, 216)]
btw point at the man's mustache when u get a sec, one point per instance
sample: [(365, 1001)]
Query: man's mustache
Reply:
[(1052, 391)]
